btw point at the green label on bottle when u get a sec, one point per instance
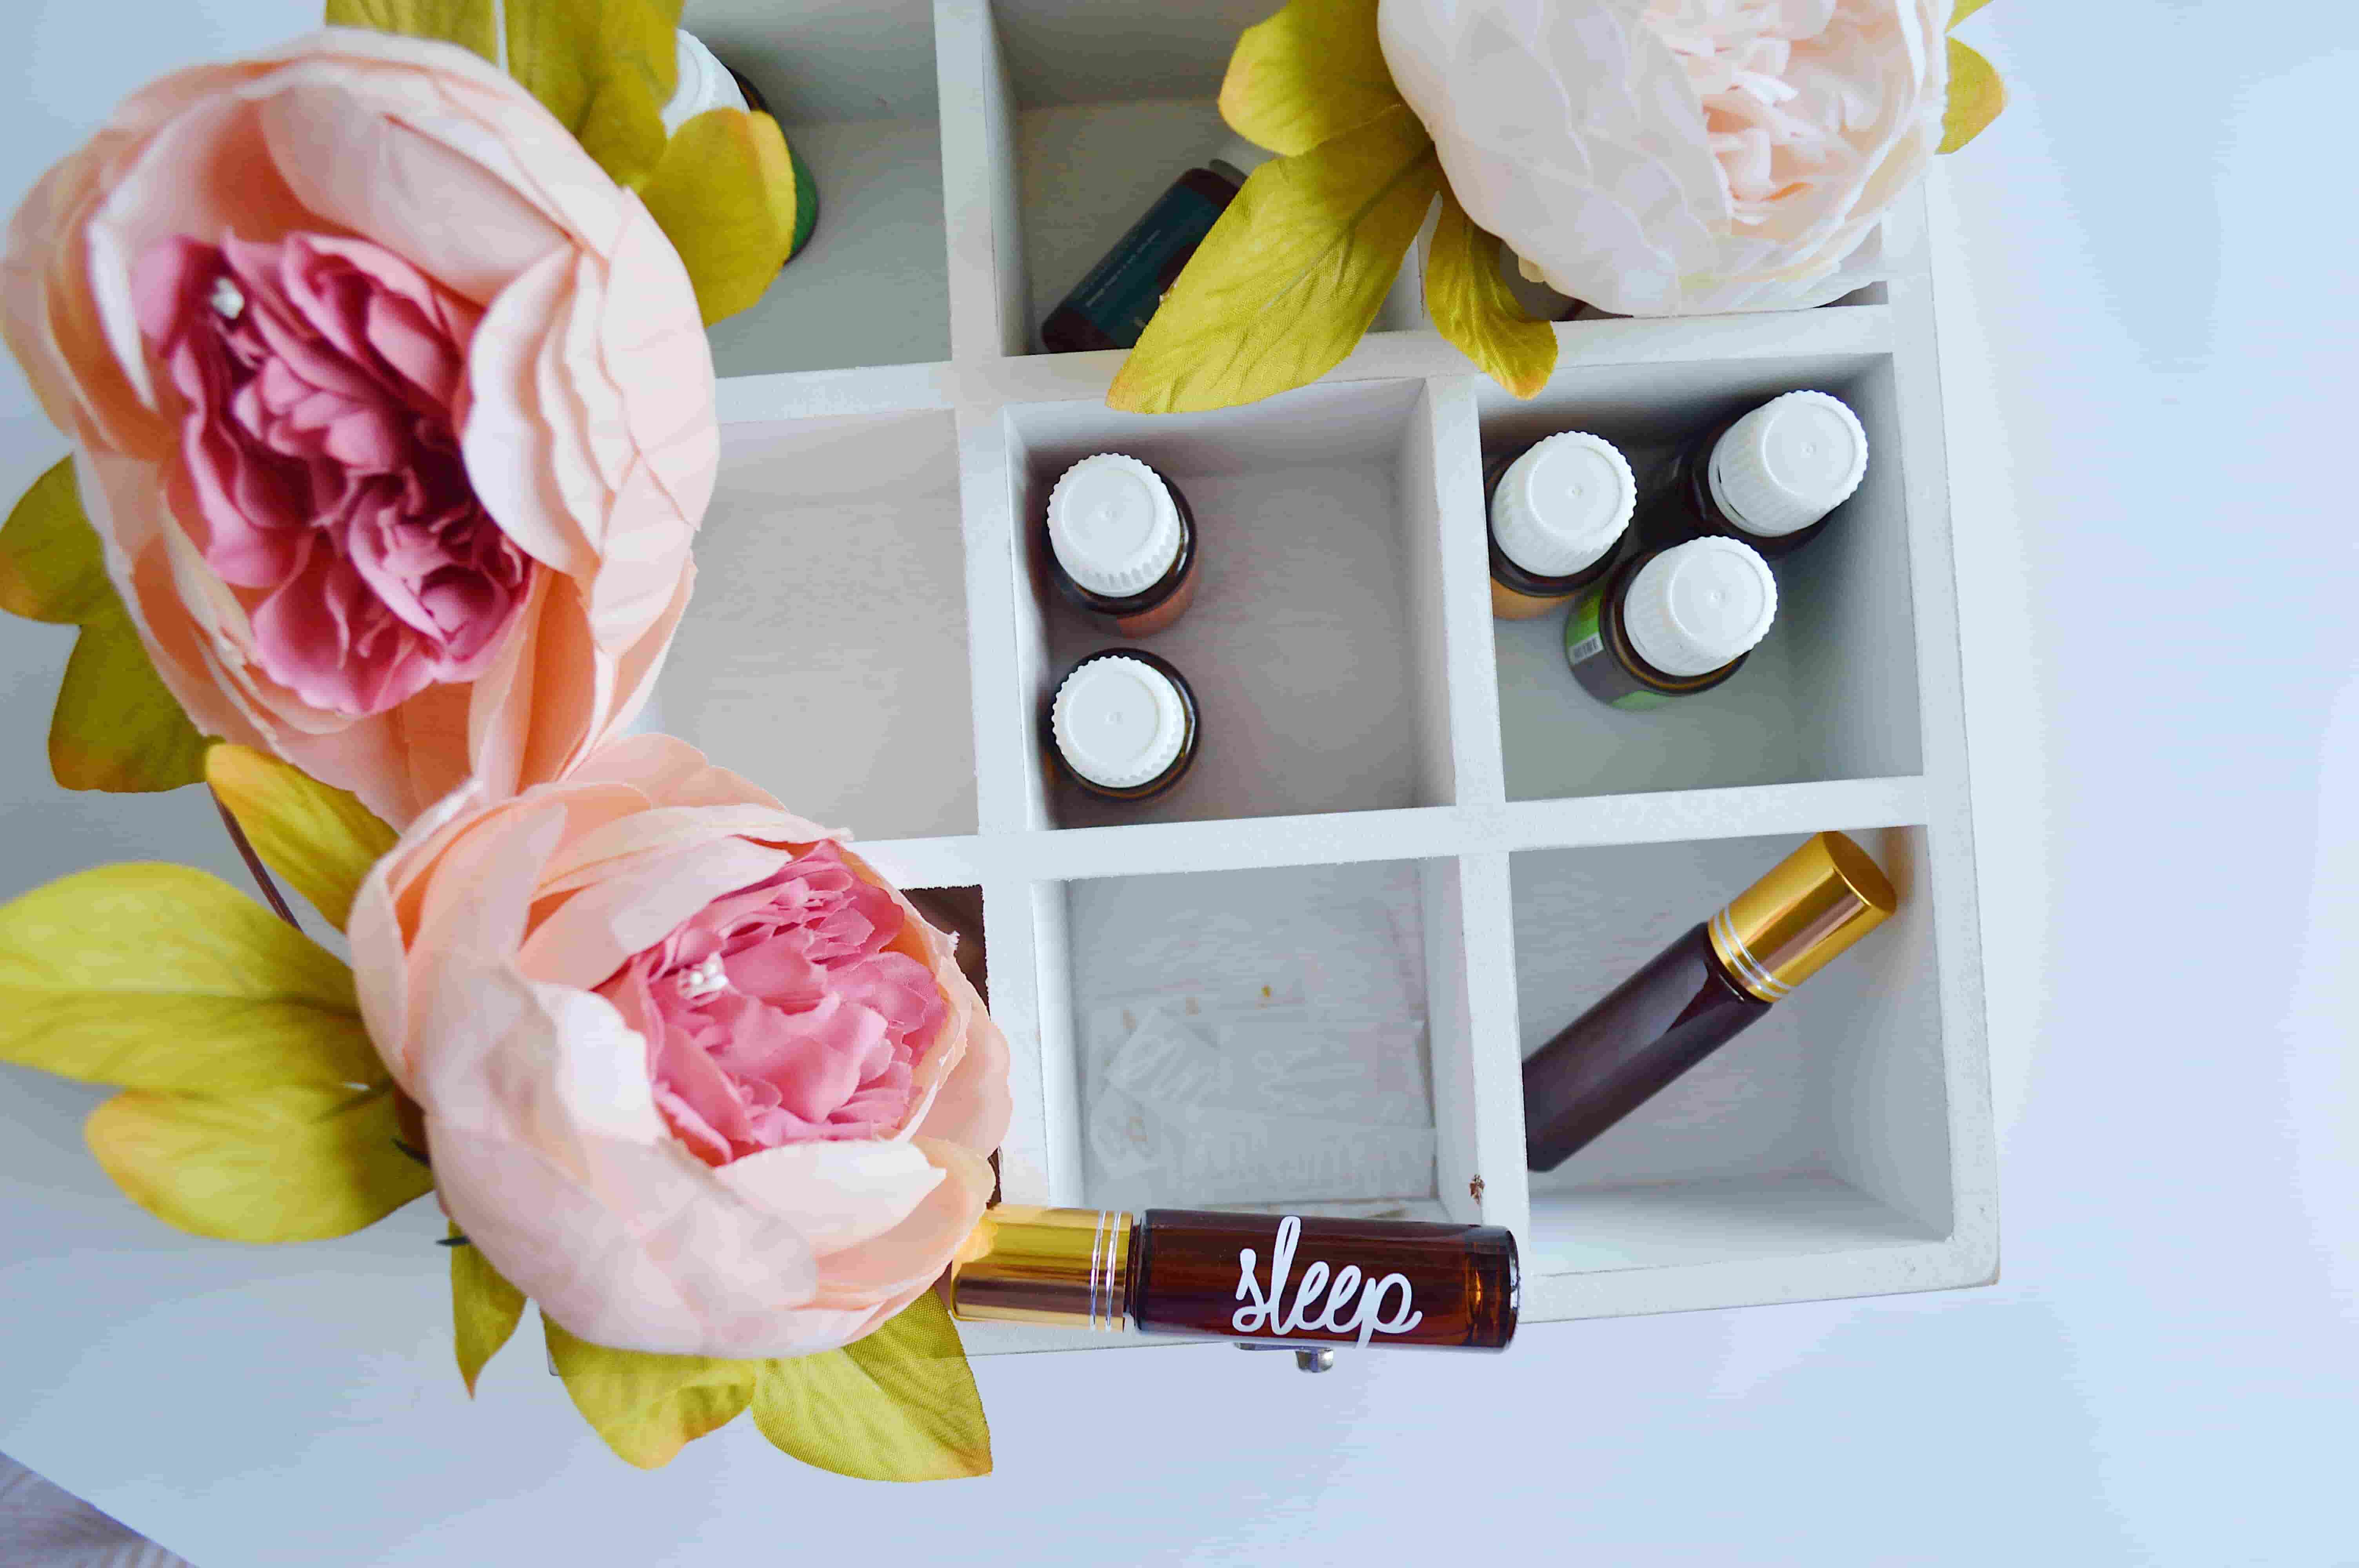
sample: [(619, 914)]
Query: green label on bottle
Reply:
[(1584, 633), (1598, 671)]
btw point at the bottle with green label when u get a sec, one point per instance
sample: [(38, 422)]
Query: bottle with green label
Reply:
[(1671, 622), (705, 82)]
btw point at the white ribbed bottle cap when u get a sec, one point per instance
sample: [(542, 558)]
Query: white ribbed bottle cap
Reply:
[(703, 83), (1789, 463), (1561, 505), (1114, 525), (1119, 722), (1699, 605)]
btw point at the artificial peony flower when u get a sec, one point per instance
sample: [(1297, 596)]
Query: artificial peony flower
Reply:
[(394, 413), (1663, 157), (695, 1078)]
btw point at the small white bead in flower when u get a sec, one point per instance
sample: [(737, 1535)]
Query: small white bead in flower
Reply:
[(228, 300), (704, 980)]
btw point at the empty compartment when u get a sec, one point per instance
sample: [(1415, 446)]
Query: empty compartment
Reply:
[(1314, 644), (1112, 102), (1822, 1128), (1254, 1038), (826, 656), (1829, 694), (852, 83)]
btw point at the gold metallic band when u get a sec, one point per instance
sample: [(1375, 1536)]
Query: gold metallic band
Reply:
[(1813, 905), (1063, 1268), (1743, 964)]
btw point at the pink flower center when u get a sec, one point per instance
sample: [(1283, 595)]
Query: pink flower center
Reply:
[(323, 378), (1777, 99), (775, 1014)]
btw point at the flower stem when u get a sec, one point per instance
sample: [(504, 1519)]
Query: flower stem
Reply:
[(277, 900)]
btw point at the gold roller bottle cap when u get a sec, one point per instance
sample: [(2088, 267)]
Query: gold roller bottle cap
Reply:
[(1066, 1268), (1814, 903)]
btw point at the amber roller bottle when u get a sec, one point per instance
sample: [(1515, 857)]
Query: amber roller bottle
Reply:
[(1253, 1278), (1697, 994)]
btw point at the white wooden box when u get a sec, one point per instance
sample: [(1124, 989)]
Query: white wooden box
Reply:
[(872, 642)]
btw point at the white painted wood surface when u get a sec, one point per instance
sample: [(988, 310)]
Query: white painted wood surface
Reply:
[(1361, 703)]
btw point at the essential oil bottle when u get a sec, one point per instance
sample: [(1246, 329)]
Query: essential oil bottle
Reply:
[(1697, 994), (1671, 622), (1245, 1277), (1121, 544), (1769, 477), (704, 81), (1557, 511), (1113, 303), (1124, 725)]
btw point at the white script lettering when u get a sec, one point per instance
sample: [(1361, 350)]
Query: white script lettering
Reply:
[(1340, 1314)]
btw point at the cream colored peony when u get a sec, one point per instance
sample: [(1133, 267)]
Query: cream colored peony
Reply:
[(1669, 157)]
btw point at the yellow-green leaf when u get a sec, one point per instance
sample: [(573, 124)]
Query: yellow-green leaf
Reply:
[(564, 50), (724, 194), (322, 839), (622, 129), (51, 566), (484, 1310), (1313, 71), (1473, 307), (899, 1405), (468, 23), (648, 1407), (1291, 276), (1966, 8), (157, 977), (291, 1163), (1976, 96), (116, 726)]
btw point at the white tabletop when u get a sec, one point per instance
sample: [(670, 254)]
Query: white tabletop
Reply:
[(2146, 354)]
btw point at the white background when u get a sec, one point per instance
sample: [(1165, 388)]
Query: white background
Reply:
[(2148, 345)]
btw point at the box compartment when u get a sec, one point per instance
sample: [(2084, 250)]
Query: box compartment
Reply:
[(1824, 1128), (1829, 694), (1314, 642), (1106, 106), (853, 85), (1303, 1012), (827, 655)]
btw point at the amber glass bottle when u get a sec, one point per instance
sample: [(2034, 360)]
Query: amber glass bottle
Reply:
[(1558, 510), (1771, 477), (1121, 544), (1699, 993), (1124, 724), (1670, 623), (1247, 1277)]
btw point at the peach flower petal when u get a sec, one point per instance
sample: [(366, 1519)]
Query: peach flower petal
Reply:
[(552, 1149), (421, 149)]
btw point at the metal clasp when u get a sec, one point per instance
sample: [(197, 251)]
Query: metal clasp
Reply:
[(1319, 1359)]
